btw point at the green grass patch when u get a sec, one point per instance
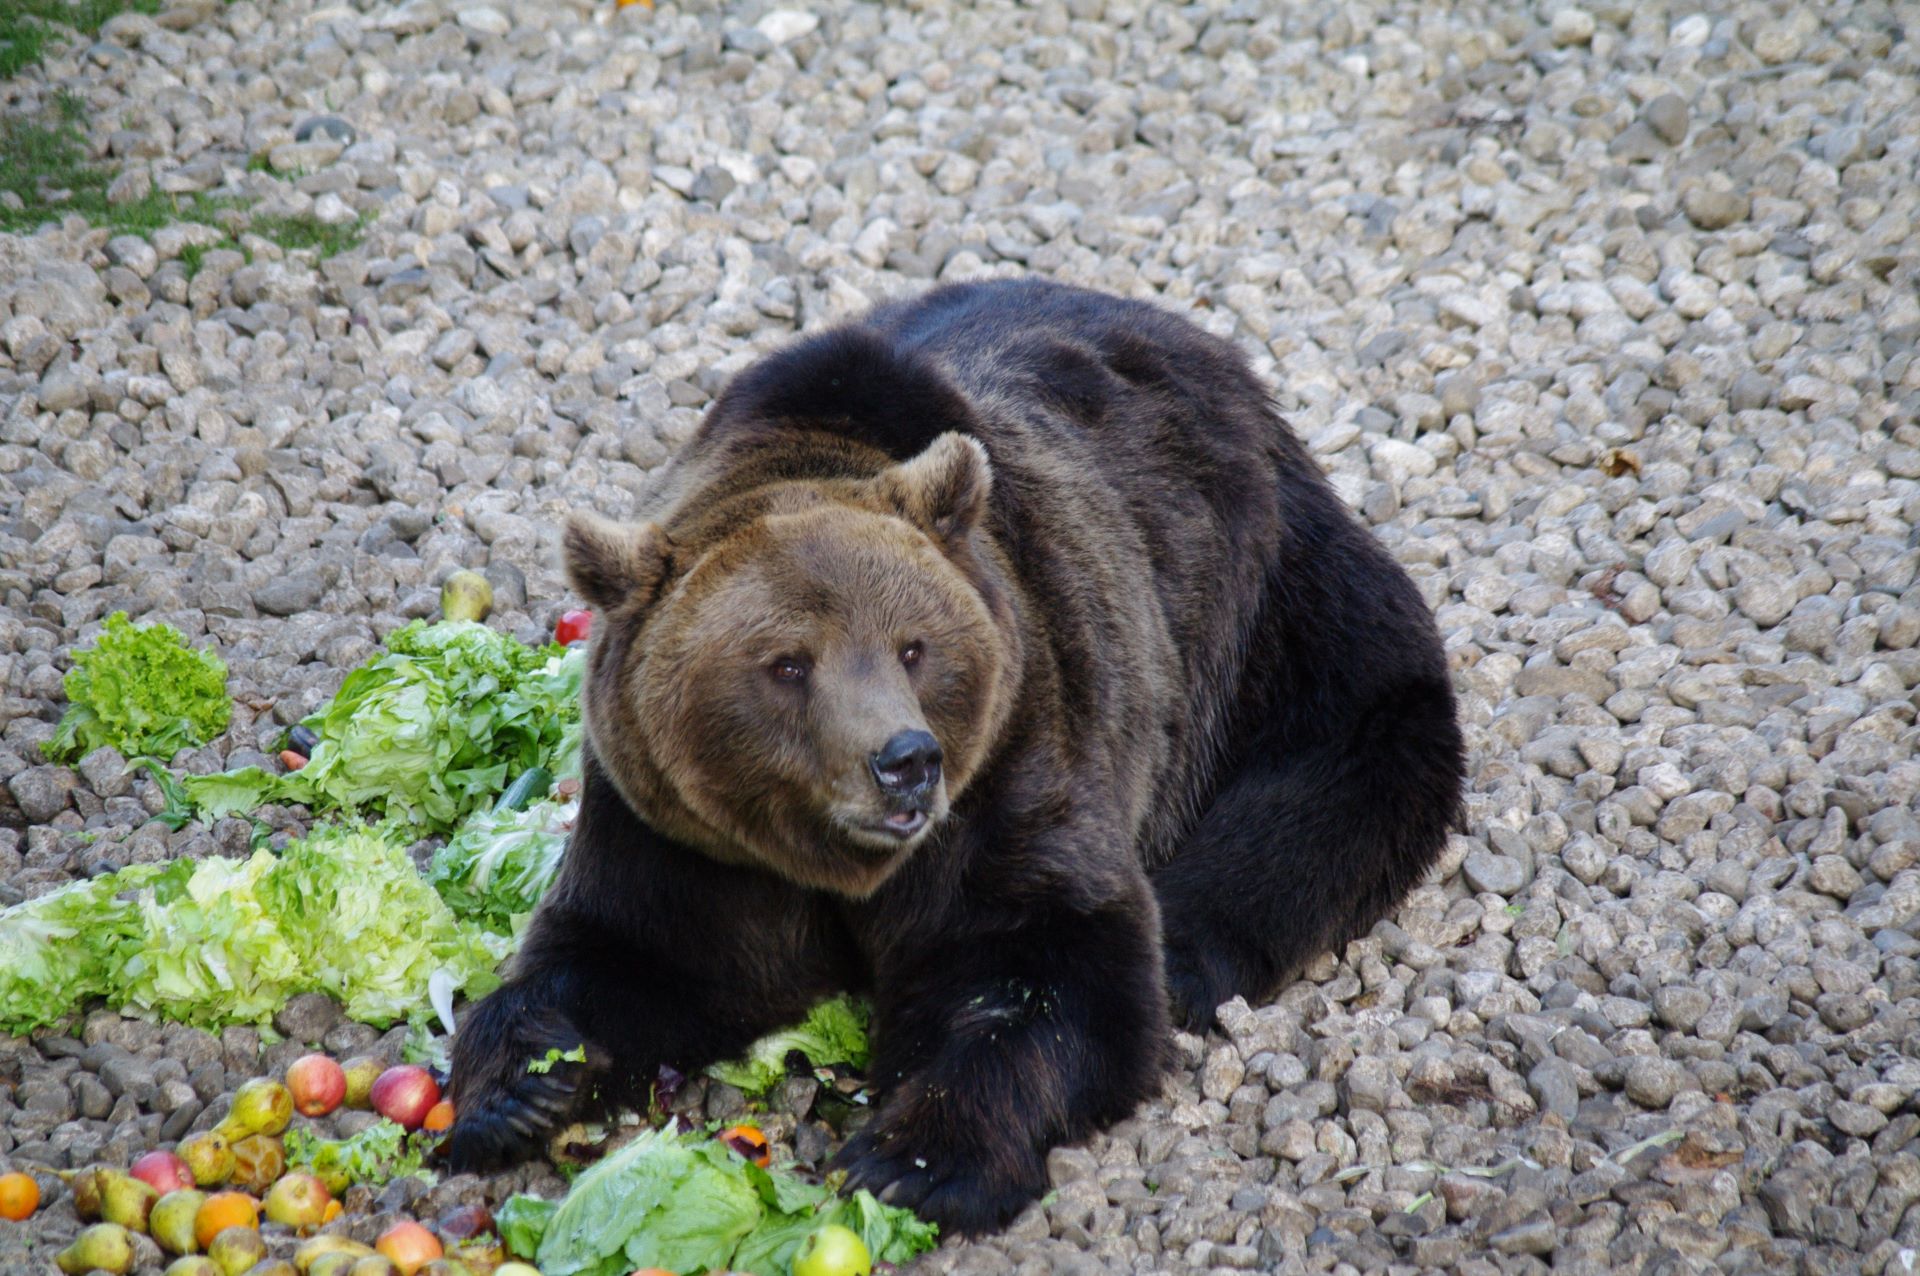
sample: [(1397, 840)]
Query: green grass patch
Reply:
[(44, 164), (304, 230), (27, 27)]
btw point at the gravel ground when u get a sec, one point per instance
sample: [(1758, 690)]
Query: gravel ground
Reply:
[(1604, 318)]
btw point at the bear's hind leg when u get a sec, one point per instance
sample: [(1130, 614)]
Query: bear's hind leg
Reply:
[(1306, 845)]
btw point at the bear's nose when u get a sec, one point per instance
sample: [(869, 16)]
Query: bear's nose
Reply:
[(907, 764)]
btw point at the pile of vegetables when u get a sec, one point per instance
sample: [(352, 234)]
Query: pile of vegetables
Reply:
[(425, 738), (142, 690), (426, 733), (221, 941), (687, 1203)]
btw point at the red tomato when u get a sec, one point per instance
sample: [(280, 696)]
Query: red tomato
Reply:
[(573, 627)]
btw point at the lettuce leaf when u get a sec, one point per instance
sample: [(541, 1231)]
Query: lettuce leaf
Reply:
[(521, 1221), (427, 732), (143, 690), (834, 1031), (374, 1156), (496, 867), (689, 1204), (222, 941)]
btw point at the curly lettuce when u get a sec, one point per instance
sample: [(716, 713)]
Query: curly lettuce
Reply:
[(222, 941), (427, 732), (142, 690)]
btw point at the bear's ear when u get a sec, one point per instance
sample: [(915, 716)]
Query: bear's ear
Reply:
[(944, 490), (615, 565)]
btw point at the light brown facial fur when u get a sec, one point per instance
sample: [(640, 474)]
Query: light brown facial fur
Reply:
[(743, 679)]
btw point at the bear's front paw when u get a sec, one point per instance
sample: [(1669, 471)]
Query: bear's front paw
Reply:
[(511, 1090), (1196, 985), (967, 1194)]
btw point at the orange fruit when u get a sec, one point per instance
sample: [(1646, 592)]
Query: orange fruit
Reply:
[(221, 1211), (439, 1117), (748, 1142), (19, 1196), (332, 1212)]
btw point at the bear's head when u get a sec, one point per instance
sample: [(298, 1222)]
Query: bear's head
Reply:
[(806, 673)]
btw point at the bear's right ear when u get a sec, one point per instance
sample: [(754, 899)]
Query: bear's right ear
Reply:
[(943, 490), (615, 565)]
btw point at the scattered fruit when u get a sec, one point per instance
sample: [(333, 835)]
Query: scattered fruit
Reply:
[(271, 1267), (194, 1265), (126, 1200), (209, 1157), (516, 1269), (85, 1185), (333, 1210), (297, 1200), (833, 1250), (19, 1196), (258, 1161), (291, 760), (163, 1171), (466, 596), (404, 1095), (573, 627), (312, 1251), (172, 1221), (375, 1265), (261, 1106), (236, 1249), (362, 1072), (482, 1255), (317, 1084), (439, 1117), (104, 1247), (303, 740), (748, 1142), (223, 1211), (444, 1267), (408, 1246), (332, 1265)]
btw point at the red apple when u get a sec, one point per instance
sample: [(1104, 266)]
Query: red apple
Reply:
[(318, 1084), (573, 627), (405, 1094), (163, 1171)]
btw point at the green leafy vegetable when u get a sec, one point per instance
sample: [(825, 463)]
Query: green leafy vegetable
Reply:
[(143, 690), (689, 1204), (833, 1032), (494, 870), (521, 1222), (375, 1156), (222, 941), (555, 1055), (427, 731)]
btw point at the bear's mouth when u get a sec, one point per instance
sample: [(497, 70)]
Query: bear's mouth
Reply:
[(903, 824)]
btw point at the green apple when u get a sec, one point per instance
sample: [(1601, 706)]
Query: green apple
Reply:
[(833, 1250)]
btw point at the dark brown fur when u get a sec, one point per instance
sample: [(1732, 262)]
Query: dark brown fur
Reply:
[(1197, 728)]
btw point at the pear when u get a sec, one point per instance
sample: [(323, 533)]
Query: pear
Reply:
[(193, 1265), (126, 1200), (85, 1185), (336, 1263), (362, 1071), (467, 595), (258, 1162), (171, 1222), (375, 1265), (261, 1106), (105, 1246), (318, 1247), (236, 1249), (272, 1267), (210, 1157), (516, 1269)]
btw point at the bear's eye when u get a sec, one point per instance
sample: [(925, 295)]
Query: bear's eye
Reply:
[(911, 653), (788, 669)]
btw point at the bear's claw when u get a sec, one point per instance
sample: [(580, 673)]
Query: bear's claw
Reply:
[(965, 1198)]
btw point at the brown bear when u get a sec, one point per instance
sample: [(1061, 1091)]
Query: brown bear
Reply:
[(1004, 656)]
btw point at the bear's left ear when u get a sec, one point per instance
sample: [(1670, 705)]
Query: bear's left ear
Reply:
[(615, 565), (944, 490)]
